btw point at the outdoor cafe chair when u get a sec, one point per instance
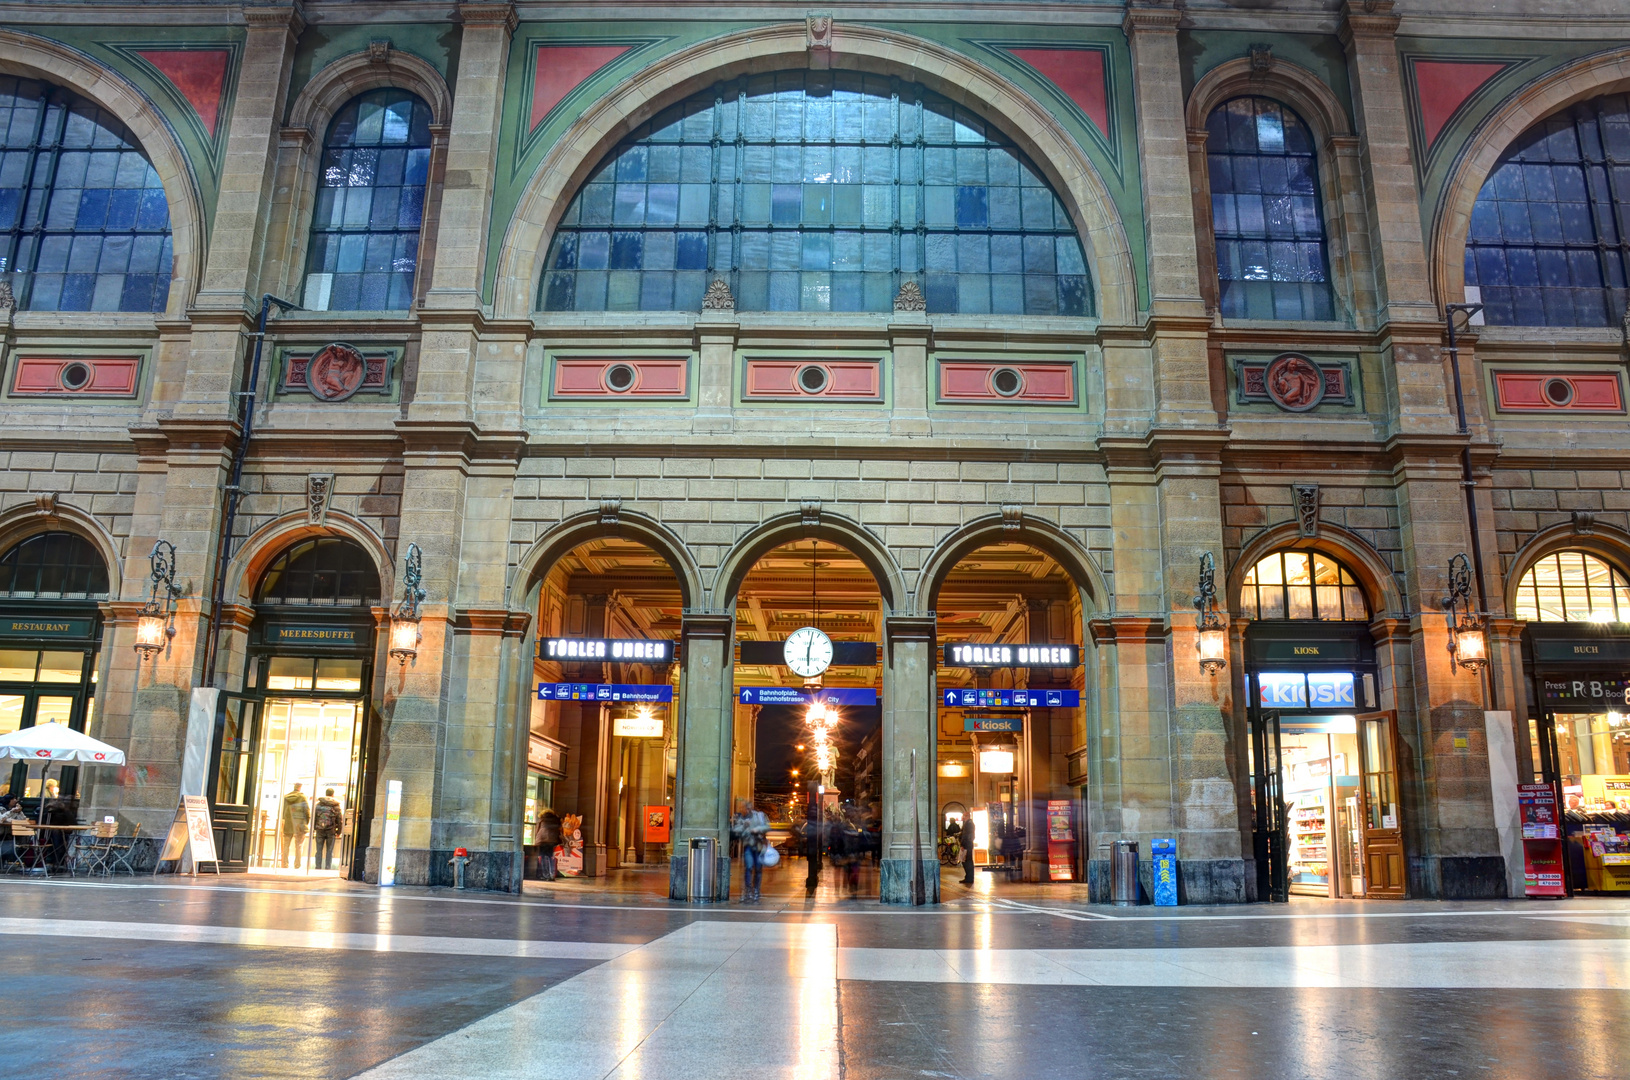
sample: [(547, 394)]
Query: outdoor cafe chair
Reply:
[(93, 849), (122, 852)]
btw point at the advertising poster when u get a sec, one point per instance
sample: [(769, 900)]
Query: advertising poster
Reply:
[(658, 824), (1163, 871), (1058, 820), (1541, 841), (1060, 841)]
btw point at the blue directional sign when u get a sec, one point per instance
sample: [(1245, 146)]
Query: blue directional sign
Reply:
[(571, 691), (788, 695), (1008, 699)]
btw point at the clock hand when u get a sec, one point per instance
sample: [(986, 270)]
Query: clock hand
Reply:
[(809, 651)]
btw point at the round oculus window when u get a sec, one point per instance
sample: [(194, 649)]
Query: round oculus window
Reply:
[(1559, 392), (75, 376), (620, 378), (812, 378), (1007, 381)]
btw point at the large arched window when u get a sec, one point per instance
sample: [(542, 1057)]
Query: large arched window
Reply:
[(1302, 585), (84, 225), (1548, 243), (817, 191), (365, 227), (1572, 586), (325, 572), (56, 565), (1265, 213)]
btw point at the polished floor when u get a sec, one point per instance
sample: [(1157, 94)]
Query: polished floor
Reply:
[(264, 977)]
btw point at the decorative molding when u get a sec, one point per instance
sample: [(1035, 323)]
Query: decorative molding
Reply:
[(993, 382), (379, 51), (717, 297), (319, 494), (489, 14), (809, 513), (8, 299), (611, 512), (1598, 391), (1261, 60), (1584, 523), (46, 505), (1012, 517), (1307, 508), (1251, 381), (818, 32), (910, 297)]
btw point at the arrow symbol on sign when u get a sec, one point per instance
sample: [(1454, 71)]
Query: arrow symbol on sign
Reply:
[(950, 697)]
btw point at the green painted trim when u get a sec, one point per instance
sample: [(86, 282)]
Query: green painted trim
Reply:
[(391, 395), (437, 44), (1078, 361), (1201, 51), (885, 386), (1046, 91), (1352, 360), (144, 374), (1491, 392), (547, 402), (180, 106)]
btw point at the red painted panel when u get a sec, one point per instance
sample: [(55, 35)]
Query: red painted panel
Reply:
[(771, 378), (585, 377), (850, 379), (1049, 382), (970, 381), (1077, 72), (200, 75), (562, 69), (1444, 85), (659, 378), (1519, 391), (111, 376)]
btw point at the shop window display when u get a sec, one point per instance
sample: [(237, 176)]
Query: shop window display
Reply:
[(1302, 585)]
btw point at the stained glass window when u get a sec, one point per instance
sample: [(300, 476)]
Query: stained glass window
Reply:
[(365, 227), (53, 564), (84, 225), (325, 572), (1572, 586), (1547, 244), (817, 191), (1265, 213), (1302, 585)]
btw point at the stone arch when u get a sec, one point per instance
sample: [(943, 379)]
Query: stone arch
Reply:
[(1604, 541), (1354, 552), (789, 528), (27, 519), (357, 73), (1607, 72), (579, 529), (257, 553), (1042, 535), (1341, 193), (856, 47), (52, 62)]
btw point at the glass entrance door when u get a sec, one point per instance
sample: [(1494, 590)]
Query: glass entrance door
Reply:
[(308, 748), (1382, 821), (1270, 833)]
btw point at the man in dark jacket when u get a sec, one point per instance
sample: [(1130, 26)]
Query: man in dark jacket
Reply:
[(967, 839), (548, 837)]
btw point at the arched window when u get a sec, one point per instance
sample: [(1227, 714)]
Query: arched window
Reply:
[(1572, 586), (365, 227), (1547, 245), (326, 572), (1302, 585), (84, 225), (55, 565), (817, 191), (1265, 213)]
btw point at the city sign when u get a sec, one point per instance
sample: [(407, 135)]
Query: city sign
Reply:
[(1007, 699), (1305, 690), (569, 691), (789, 695), (1011, 656), (615, 649)]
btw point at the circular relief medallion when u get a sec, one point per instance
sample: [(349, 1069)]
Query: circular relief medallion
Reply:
[(1294, 382), (336, 372)]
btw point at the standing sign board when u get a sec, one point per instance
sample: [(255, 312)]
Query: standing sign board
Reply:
[(658, 824), (1541, 840), (191, 835), (1060, 839), (1163, 871)]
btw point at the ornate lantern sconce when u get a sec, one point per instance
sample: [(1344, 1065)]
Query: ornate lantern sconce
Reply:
[(1211, 641), (405, 636), (155, 626), (1468, 631)]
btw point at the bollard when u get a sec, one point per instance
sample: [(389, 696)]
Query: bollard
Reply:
[(1123, 873), (460, 859)]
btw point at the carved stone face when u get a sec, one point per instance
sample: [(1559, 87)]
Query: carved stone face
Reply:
[(335, 373), (1294, 383)]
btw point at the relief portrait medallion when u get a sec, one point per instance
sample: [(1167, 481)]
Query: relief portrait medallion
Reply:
[(1294, 382), (336, 372)]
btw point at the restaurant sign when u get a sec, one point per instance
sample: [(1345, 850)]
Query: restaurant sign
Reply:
[(293, 634), (46, 628)]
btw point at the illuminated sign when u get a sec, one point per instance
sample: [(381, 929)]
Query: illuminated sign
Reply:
[(310, 635), (614, 649), (1016, 656), (79, 628), (567, 691), (1013, 724), (1008, 699), (1312, 690), (639, 726)]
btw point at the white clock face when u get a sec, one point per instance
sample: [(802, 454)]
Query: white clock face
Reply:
[(808, 652)]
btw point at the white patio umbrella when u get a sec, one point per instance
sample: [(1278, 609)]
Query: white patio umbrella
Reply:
[(56, 742)]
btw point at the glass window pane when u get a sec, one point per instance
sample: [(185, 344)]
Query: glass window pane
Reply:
[(11, 714), (61, 667), (18, 665), (289, 673), (342, 675), (53, 710)]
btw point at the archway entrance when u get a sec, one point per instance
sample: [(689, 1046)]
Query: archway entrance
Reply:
[(807, 716), (601, 748), (1010, 719)]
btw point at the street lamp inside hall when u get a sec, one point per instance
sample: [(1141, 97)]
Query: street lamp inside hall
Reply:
[(155, 626), (405, 636), (1211, 641), (1468, 633)]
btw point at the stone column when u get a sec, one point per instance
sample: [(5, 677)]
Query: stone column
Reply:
[(915, 381), (702, 796), (715, 372), (908, 724)]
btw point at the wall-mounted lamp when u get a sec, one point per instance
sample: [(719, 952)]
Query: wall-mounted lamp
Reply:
[(1211, 641), (997, 762), (155, 626), (1468, 631), (405, 635)]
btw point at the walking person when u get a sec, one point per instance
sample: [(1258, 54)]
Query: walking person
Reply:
[(327, 822), (967, 838), (296, 820), (751, 829), (548, 840)]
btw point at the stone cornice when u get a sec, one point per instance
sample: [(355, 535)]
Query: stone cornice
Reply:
[(714, 625), (491, 622), (1146, 18), (1127, 629), (288, 17), (488, 14), (1368, 19), (460, 437)]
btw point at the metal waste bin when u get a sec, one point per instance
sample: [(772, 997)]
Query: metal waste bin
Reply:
[(1123, 873), (701, 870)]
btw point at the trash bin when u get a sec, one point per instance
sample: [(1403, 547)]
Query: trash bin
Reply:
[(701, 871), (1123, 873)]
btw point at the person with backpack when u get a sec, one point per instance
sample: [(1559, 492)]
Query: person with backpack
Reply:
[(327, 822)]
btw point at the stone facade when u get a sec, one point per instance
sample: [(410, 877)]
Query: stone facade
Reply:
[(1156, 461)]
